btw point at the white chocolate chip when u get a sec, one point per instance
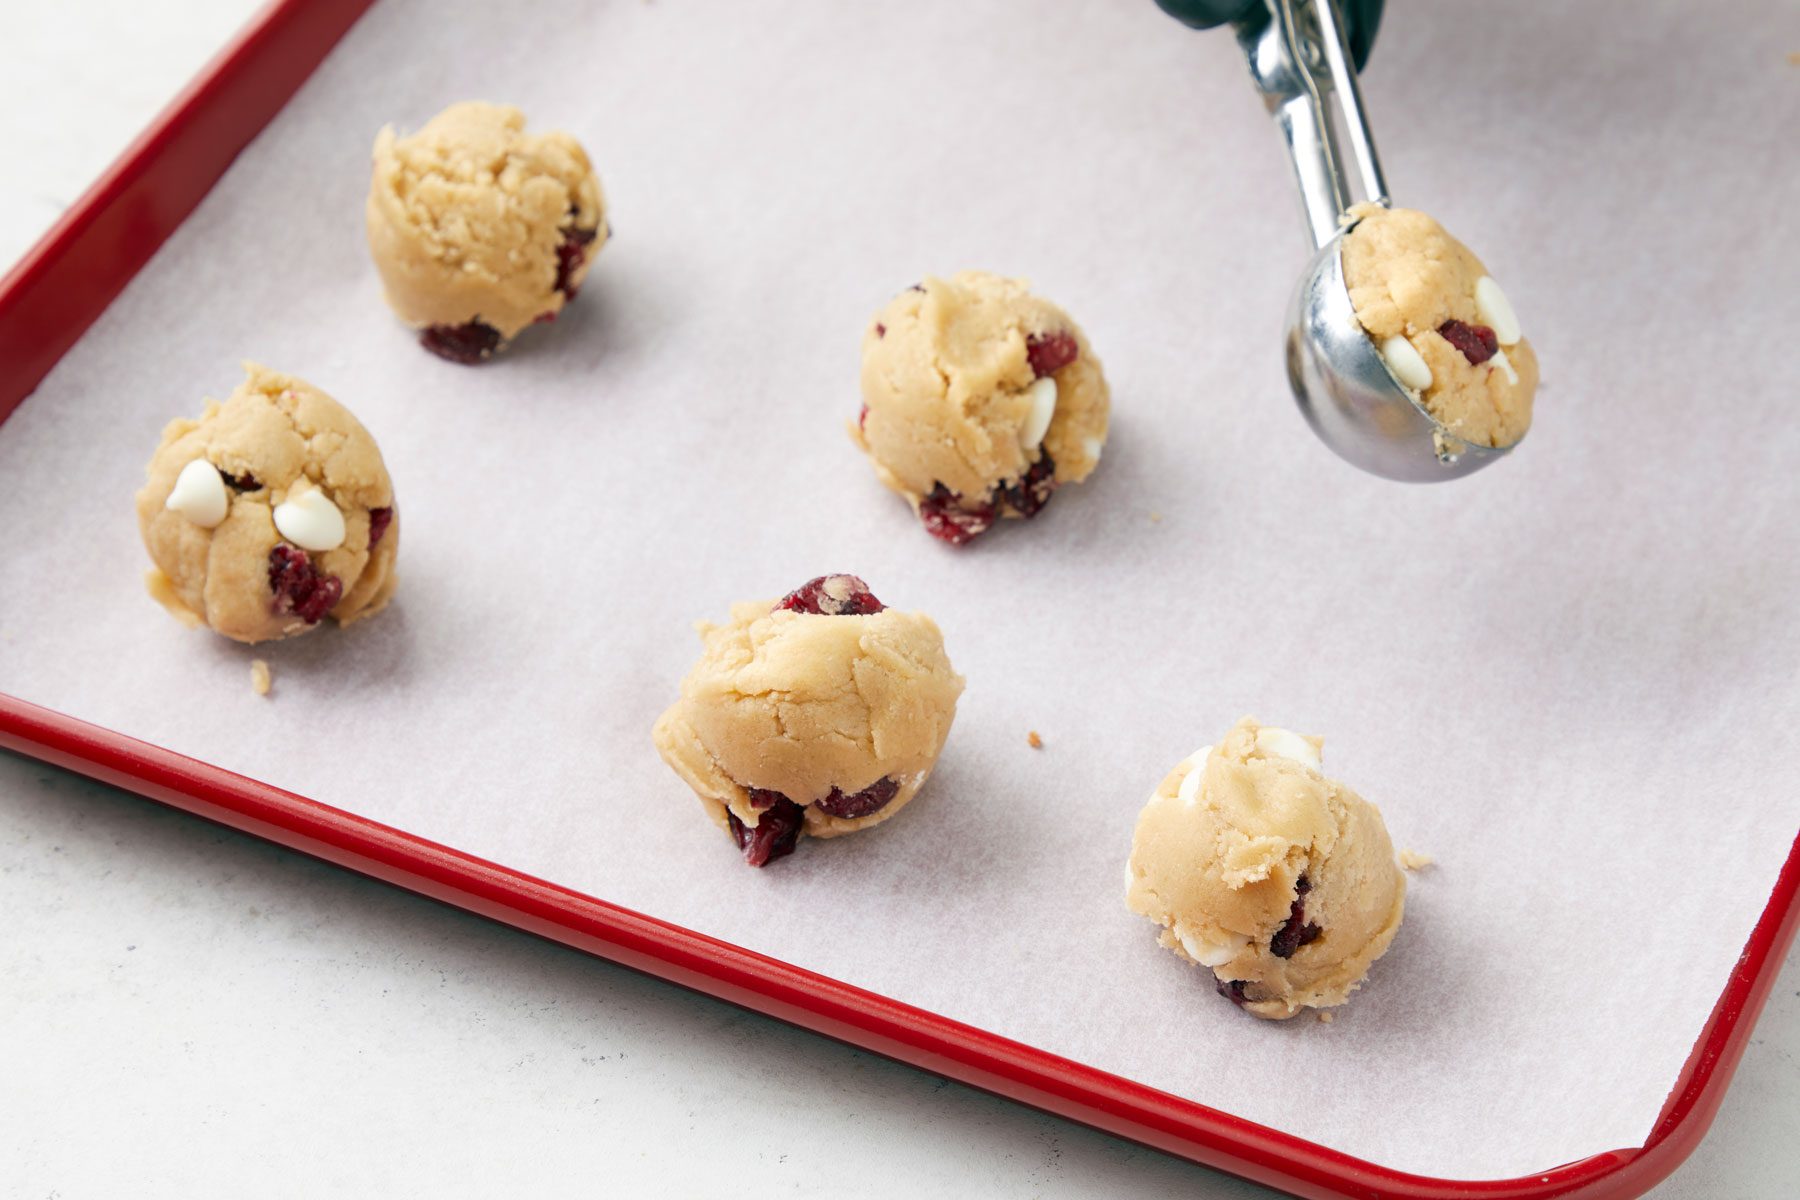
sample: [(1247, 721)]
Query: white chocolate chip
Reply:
[(1210, 953), (1505, 364), (1043, 406), (1405, 363), (310, 520), (1281, 743), (1496, 311), (199, 494), (1189, 791), (1093, 446)]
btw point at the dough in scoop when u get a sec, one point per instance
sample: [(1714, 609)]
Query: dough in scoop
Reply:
[(1445, 328)]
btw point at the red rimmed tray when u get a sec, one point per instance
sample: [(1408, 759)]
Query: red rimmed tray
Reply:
[(67, 282)]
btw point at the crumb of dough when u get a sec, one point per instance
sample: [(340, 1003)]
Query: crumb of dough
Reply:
[(1036, 742), (1412, 860), (1325, 1017), (1156, 518), (260, 677), (1794, 58)]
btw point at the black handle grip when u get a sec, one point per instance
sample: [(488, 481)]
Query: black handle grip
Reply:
[(1205, 14), (1361, 18)]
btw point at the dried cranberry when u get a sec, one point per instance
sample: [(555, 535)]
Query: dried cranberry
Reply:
[(831, 596), (1049, 353), (571, 252), (1231, 989), (946, 519), (1031, 491), (299, 586), (240, 483), (1297, 931), (880, 330), (466, 344), (776, 833), (378, 524), (862, 418), (1478, 343), (871, 799)]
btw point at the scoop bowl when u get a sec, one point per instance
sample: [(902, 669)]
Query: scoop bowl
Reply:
[(1349, 396)]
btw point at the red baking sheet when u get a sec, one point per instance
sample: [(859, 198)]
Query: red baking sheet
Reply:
[(62, 286)]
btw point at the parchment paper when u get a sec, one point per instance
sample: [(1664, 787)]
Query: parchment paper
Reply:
[(1571, 678)]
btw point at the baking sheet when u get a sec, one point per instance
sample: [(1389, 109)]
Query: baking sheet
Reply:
[(1567, 678)]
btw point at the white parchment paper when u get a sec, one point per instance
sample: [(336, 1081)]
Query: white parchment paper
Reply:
[(1573, 678)]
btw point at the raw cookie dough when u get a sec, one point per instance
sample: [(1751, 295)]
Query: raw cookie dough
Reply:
[(819, 713), (979, 400), (1446, 330), (1256, 865), (271, 511), (479, 228)]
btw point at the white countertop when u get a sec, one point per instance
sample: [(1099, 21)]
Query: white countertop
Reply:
[(188, 1012)]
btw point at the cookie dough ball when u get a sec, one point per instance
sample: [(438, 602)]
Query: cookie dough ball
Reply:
[(479, 228), (1280, 880), (820, 713), (1446, 330), (979, 401), (270, 512)]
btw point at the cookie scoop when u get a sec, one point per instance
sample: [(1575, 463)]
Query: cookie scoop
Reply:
[(1431, 382), (1258, 867), (819, 714)]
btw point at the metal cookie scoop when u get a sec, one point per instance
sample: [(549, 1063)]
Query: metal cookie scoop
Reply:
[(1300, 56)]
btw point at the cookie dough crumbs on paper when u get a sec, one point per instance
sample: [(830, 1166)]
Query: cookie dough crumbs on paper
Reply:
[(1034, 741), (1412, 860), (1326, 1016), (260, 676)]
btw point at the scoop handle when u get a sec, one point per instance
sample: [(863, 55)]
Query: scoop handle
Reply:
[(1300, 61)]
